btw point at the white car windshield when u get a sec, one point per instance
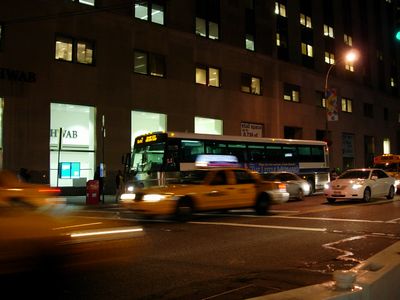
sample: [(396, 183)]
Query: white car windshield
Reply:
[(359, 174)]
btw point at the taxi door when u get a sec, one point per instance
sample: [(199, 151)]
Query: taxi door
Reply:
[(244, 190), (218, 193)]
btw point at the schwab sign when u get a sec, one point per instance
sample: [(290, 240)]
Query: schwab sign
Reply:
[(17, 75)]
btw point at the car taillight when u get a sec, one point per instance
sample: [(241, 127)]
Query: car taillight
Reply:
[(50, 190), (282, 187)]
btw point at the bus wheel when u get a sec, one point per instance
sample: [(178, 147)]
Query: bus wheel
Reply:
[(367, 195), (184, 209), (390, 196), (331, 200), (262, 204)]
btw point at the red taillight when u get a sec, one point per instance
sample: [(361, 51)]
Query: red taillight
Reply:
[(282, 186), (50, 190)]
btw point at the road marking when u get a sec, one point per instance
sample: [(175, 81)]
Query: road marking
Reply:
[(228, 292), (393, 221), (260, 226), (328, 219)]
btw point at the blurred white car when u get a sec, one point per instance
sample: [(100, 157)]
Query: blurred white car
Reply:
[(296, 186), (362, 184)]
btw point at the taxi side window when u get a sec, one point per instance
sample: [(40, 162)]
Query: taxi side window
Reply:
[(379, 174), (243, 177), (219, 178)]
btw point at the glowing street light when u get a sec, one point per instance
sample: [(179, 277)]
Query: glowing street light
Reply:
[(349, 57)]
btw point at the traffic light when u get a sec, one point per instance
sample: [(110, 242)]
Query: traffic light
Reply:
[(397, 34)]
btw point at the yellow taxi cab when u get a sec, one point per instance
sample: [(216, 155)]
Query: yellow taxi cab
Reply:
[(207, 190), (390, 163)]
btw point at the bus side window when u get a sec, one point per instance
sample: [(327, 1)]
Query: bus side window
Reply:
[(172, 158)]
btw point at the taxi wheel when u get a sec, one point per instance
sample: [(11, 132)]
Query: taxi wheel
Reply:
[(184, 209), (367, 195), (331, 200), (262, 204), (390, 196)]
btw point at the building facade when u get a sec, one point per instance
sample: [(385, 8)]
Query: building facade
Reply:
[(79, 79)]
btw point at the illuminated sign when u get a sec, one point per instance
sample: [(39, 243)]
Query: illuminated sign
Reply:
[(214, 160), (147, 139)]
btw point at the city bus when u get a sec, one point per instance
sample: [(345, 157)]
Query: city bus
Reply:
[(158, 158), (391, 164)]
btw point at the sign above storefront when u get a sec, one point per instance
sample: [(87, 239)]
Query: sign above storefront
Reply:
[(17, 75), (251, 129)]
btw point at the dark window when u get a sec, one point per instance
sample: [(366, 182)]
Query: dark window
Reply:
[(251, 84), (207, 18), (386, 114), (291, 92), (1, 35), (149, 63), (368, 110)]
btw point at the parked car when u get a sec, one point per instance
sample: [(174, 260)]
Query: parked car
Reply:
[(296, 186), (206, 190), (362, 184)]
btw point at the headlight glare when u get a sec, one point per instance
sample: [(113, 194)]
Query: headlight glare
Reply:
[(356, 186), (128, 197), (130, 188), (153, 197)]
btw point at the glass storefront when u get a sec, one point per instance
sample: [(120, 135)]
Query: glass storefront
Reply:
[(145, 122), (72, 164)]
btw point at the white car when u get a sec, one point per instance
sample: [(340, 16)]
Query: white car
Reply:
[(296, 186), (362, 184)]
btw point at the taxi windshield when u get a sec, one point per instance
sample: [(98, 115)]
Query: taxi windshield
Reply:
[(148, 158)]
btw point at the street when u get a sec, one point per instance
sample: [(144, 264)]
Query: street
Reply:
[(232, 255)]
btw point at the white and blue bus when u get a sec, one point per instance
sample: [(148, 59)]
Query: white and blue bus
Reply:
[(159, 157)]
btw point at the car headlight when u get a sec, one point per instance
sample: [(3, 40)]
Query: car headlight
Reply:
[(127, 197), (356, 186), (130, 188), (153, 197), (327, 186)]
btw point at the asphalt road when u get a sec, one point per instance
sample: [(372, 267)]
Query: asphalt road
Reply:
[(235, 255)]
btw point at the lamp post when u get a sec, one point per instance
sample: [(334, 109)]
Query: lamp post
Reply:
[(350, 56)]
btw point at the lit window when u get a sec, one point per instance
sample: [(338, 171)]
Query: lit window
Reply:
[(207, 76), (200, 27), (347, 105), (278, 39), (307, 50), (84, 53), (149, 64), (321, 101), (349, 66), (392, 82), (87, 2), (140, 62), (146, 10), (328, 31), (386, 146), (305, 21), (208, 126), (64, 48), (329, 58), (201, 76), (213, 31), (280, 9), (213, 75), (291, 92), (348, 40), (251, 84), (249, 42)]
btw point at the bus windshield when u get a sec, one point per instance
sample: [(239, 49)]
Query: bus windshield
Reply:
[(148, 157)]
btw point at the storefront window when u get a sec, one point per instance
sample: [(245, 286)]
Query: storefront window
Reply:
[(72, 164), (144, 122)]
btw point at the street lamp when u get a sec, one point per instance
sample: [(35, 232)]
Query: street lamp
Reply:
[(349, 57)]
